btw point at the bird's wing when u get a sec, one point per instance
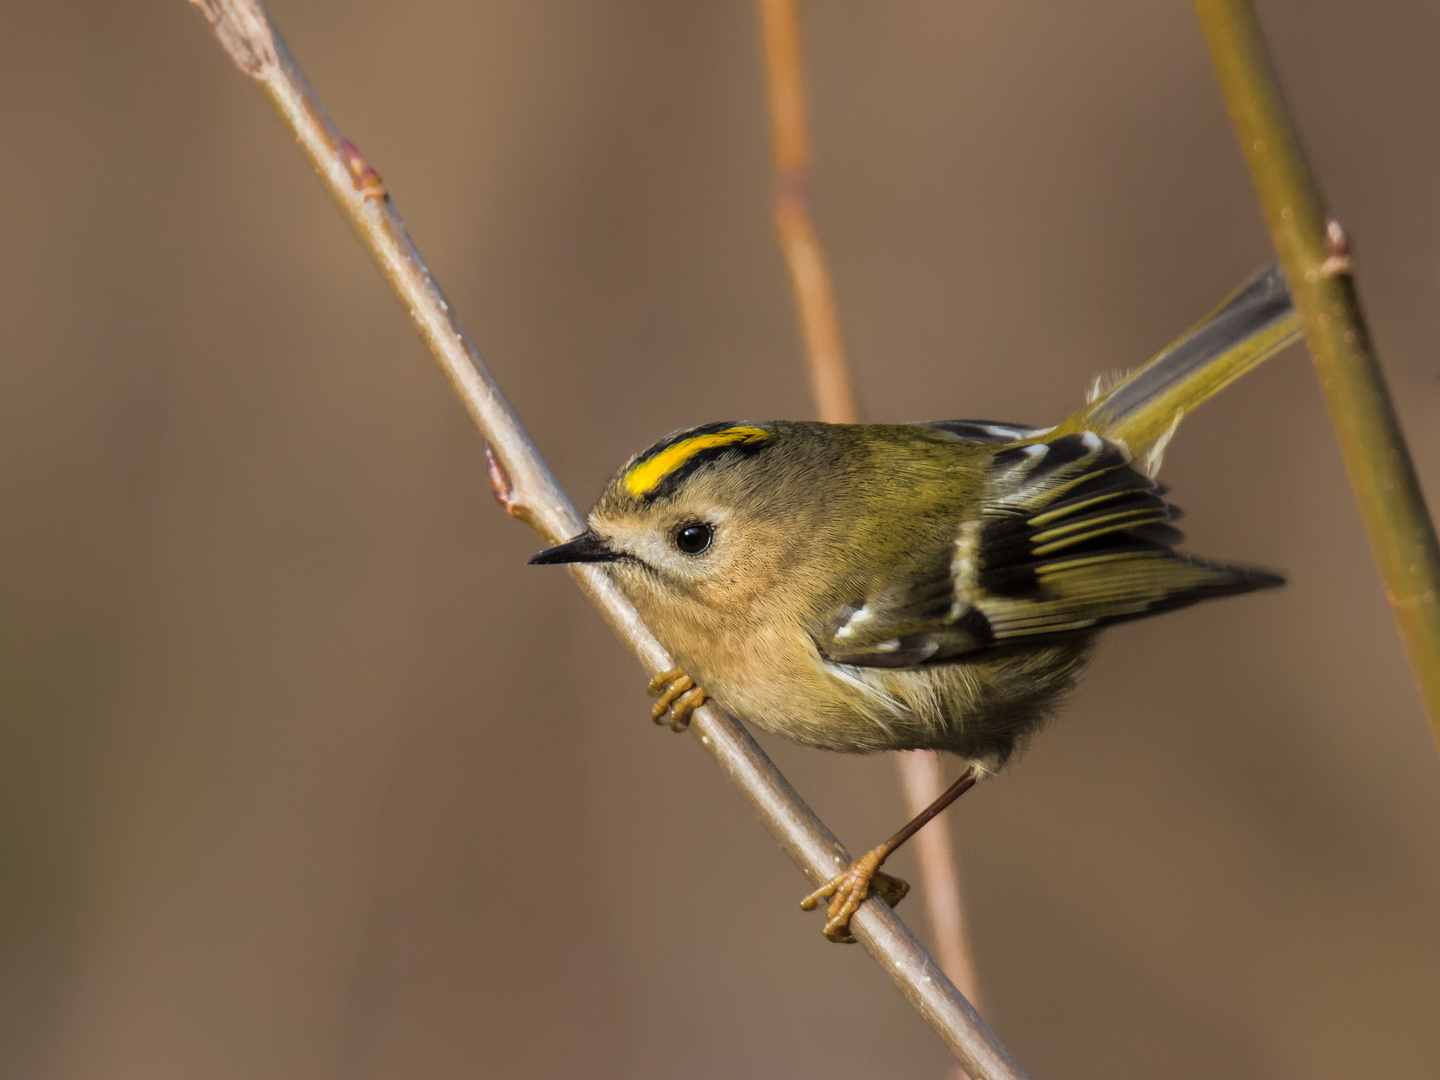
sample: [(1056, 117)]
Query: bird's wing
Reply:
[(1070, 538), (985, 431)]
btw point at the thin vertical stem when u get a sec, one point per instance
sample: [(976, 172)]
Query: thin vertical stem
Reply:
[(1315, 255), (809, 277), (835, 401)]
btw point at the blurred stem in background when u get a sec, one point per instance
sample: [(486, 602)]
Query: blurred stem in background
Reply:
[(1315, 255), (921, 774), (830, 380), (528, 490)]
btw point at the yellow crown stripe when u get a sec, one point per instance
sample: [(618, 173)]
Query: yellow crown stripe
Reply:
[(646, 476)]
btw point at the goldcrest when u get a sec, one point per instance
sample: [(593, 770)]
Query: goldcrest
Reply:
[(917, 586)]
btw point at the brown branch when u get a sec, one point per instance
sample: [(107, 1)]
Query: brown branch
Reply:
[(809, 278), (1316, 258), (835, 401), (528, 490)]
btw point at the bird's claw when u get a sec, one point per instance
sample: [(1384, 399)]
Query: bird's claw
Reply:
[(679, 696), (848, 889)]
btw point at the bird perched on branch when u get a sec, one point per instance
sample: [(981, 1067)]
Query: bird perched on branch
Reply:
[(917, 586)]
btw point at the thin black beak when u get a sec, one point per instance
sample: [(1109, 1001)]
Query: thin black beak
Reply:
[(587, 547)]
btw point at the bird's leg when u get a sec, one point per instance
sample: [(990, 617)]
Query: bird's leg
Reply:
[(848, 889), (679, 696)]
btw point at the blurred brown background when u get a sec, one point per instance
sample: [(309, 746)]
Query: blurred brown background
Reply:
[(304, 774)]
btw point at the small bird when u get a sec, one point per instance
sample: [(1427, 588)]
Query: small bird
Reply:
[(917, 586)]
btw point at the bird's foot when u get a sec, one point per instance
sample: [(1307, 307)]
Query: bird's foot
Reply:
[(847, 891), (679, 696)]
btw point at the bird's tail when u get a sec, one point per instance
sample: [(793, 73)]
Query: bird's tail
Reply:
[(1143, 409)]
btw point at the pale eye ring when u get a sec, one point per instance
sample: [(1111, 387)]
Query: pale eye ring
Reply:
[(695, 538)]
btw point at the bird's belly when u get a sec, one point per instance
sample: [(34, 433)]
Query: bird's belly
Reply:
[(979, 709)]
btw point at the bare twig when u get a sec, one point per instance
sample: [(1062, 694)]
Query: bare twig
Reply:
[(835, 401), (1316, 258), (529, 491), (809, 278)]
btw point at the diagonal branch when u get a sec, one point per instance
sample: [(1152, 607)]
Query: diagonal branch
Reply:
[(1316, 258), (834, 392), (528, 490)]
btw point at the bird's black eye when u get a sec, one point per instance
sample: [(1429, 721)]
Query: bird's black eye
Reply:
[(693, 539)]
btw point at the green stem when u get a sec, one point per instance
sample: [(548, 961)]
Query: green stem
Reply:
[(1315, 256)]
